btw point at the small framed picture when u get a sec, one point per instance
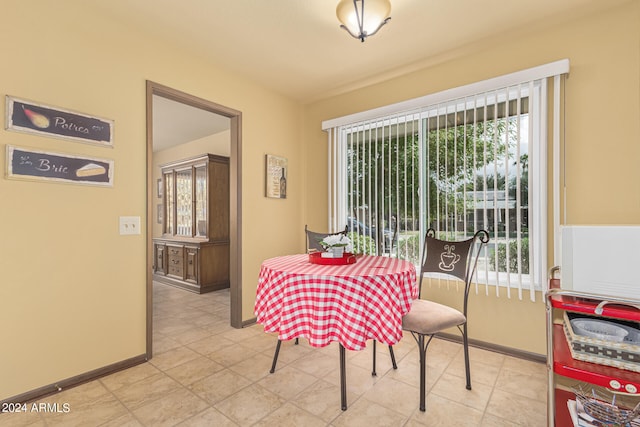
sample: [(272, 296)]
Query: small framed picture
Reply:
[(159, 188), (276, 175), (160, 214)]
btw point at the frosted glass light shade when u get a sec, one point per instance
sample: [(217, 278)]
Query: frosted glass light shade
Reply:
[(363, 18)]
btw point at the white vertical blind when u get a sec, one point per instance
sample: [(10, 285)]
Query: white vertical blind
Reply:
[(458, 164)]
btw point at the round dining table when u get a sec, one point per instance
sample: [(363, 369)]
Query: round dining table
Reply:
[(350, 303)]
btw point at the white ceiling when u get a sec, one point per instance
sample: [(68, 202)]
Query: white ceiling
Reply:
[(297, 48), (175, 123)]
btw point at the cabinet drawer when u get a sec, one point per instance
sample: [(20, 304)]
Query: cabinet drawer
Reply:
[(176, 251), (175, 261), (175, 271)]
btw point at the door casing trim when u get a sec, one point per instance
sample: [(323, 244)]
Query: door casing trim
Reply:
[(235, 189)]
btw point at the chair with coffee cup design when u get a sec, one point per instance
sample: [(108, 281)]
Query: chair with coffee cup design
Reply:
[(427, 318)]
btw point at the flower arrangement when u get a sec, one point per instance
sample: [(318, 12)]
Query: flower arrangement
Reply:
[(337, 241)]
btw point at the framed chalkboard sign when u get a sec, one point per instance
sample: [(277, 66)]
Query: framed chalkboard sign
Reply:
[(30, 117), (24, 163)]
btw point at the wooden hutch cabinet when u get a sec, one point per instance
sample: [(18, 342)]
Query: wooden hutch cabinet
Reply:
[(193, 252)]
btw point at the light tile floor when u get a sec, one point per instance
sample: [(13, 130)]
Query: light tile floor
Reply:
[(205, 373)]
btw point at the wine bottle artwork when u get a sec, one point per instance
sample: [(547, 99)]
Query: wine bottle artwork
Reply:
[(275, 177)]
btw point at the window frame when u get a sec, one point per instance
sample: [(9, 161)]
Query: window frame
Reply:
[(537, 180)]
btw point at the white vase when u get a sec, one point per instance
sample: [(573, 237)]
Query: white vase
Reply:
[(337, 251)]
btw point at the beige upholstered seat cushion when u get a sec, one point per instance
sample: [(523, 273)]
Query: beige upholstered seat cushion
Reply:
[(428, 317)]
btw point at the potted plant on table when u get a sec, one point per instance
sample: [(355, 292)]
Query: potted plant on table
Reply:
[(337, 245)]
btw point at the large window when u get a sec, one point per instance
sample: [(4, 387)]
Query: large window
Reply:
[(458, 165)]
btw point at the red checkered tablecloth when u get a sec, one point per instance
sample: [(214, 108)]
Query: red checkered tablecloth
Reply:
[(346, 303)]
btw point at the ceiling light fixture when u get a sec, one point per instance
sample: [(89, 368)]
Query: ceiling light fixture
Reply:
[(361, 22)]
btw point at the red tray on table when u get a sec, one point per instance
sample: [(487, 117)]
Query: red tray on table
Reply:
[(347, 258)]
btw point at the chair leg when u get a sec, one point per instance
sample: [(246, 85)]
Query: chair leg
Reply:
[(391, 353), (422, 351), (393, 357), (296, 341), (467, 368), (423, 371), (275, 357), (373, 370)]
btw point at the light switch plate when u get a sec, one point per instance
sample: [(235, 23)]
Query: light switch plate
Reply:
[(129, 225)]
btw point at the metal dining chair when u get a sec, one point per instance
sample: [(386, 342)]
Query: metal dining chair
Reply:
[(314, 238), (313, 245), (457, 259)]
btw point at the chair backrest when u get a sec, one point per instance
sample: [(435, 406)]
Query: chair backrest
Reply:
[(454, 258), (314, 238)]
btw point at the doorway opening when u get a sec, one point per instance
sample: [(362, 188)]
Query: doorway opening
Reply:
[(158, 95)]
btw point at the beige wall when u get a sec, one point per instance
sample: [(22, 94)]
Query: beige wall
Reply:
[(602, 137), (72, 292)]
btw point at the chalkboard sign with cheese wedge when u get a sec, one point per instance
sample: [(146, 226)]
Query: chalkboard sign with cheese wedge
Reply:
[(24, 163)]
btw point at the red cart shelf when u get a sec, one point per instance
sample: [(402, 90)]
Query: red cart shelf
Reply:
[(593, 373), (560, 360), (615, 310), (563, 416)]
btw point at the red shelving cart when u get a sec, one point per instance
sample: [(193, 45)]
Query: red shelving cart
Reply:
[(559, 358)]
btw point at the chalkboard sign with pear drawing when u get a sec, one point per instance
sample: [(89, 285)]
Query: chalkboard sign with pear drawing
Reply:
[(30, 117)]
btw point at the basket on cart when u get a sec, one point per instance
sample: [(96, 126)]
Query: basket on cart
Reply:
[(624, 354), (602, 407)]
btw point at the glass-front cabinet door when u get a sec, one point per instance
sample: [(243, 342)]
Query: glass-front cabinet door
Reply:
[(184, 202), (200, 202), (169, 203), (187, 197)]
